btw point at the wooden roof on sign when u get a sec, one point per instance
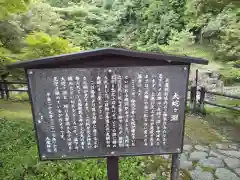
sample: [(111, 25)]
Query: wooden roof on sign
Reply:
[(83, 55)]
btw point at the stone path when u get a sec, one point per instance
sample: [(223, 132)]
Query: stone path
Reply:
[(221, 161)]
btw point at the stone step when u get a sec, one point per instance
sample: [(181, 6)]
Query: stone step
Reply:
[(221, 161)]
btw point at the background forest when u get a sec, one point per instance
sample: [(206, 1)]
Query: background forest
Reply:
[(203, 28), (32, 29)]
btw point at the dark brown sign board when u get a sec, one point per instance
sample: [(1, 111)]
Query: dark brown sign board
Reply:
[(108, 102), (97, 112)]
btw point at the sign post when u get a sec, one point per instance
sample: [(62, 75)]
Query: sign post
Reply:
[(109, 103), (175, 166), (112, 168)]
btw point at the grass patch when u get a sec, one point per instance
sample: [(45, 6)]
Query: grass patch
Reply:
[(162, 168), (201, 132), (224, 115), (22, 107), (19, 157), (208, 169), (226, 122), (195, 164), (204, 168), (19, 97)]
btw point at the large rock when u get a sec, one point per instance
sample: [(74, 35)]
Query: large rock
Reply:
[(212, 162), (202, 148), (222, 146), (198, 174), (219, 156), (187, 147), (232, 162), (197, 155), (231, 153), (186, 165), (223, 173), (233, 146), (183, 157)]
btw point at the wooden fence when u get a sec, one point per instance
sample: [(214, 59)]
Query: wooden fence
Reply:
[(6, 87), (199, 105), (195, 105)]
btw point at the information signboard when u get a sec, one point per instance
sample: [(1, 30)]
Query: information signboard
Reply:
[(115, 111)]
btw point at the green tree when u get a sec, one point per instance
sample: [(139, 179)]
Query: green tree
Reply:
[(8, 7), (40, 44), (223, 32), (228, 46), (41, 17), (215, 23), (88, 26), (11, 34), (107, 4), (4, 60), (151, 25), (178, 42)]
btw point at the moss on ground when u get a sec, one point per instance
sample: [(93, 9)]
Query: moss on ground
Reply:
[(201, 132), (208, 169)]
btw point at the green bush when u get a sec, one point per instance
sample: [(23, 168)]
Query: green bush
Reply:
[(237, 64), (40, 44), (230, 75)]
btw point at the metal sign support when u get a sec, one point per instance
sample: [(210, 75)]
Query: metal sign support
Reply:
[(112, 168), (175, 166)]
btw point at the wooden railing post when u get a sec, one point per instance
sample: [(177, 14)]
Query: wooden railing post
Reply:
[(193, 96), (6, 89), (1, 90), (201, 100), (196, 79)]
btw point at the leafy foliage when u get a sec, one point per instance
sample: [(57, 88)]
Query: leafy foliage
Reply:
[(230, 75), (4, 60), (40, 44), (216, 23), (204, 28), (41, 17), (8, 7), (11, 35), (179, 41), (172, 26), (222, 32)]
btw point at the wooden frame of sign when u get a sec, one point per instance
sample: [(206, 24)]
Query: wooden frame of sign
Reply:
[(109, 103)]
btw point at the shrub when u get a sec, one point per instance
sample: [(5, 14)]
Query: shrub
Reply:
[(230, 75)]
